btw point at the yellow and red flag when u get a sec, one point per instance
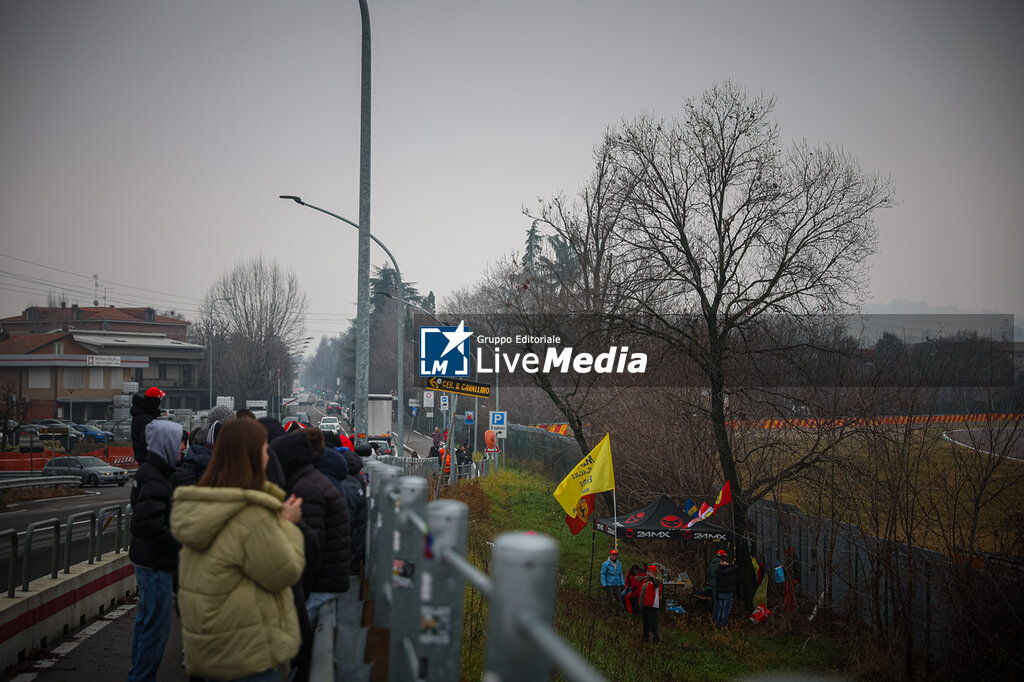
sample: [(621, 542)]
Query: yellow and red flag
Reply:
[(724, 495), (576, 491)]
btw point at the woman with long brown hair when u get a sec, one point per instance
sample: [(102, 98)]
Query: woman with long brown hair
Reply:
[(241, 553)]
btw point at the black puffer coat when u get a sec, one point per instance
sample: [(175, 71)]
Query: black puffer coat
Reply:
[(143, 411), (358, 512), (153, 545), (323, 510)]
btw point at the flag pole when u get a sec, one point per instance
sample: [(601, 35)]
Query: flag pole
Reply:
[(615, 517), (590, 581)]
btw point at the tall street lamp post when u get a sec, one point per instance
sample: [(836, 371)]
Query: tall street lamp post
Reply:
[(209, 344), (400, 440), (362, 383)]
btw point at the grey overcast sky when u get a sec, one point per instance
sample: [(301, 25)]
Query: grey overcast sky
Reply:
[(147, 142)]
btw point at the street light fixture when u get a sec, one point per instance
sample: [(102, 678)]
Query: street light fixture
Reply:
[(362, 396), (209, 344)]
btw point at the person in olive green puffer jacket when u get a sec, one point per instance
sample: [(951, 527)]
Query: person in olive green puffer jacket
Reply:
[(241, 553)]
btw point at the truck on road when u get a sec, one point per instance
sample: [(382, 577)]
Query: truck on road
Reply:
[(378, 418)]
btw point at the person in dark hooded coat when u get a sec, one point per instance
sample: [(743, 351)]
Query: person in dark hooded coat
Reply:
[(358, 512), (145, 408), (342, 468), (154, 550), (323, 510)]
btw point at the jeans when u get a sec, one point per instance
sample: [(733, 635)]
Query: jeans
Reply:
[(315, 601), (723, 604), (152, 622)]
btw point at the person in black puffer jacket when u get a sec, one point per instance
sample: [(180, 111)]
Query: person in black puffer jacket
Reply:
[(145, 408), (342, 468), (154, 550), (323, 510), (358, 512)]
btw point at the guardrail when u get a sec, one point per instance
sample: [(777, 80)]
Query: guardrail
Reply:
[(22, 481), (98, 521), (13, 561), (417, 571)]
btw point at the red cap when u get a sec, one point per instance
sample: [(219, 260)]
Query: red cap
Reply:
[(652, 569), (722, 552), (154, 392), (614, 551)]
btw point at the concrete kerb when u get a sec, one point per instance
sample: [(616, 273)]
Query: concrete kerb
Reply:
[(51, 609)]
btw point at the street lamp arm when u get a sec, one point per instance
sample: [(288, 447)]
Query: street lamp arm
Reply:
[(298, 200), (413, 305)]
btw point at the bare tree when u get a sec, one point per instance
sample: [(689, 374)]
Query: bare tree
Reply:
[(728, 230), (258, 314)]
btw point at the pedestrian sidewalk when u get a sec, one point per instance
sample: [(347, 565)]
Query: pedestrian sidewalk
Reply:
[(99, 651)]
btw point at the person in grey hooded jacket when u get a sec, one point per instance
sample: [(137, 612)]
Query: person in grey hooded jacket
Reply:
[(154, 550)]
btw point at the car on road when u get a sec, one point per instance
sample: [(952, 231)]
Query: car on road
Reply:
[(92, 471), (383, 447), (301, 417), (330, 424), (334, 408)]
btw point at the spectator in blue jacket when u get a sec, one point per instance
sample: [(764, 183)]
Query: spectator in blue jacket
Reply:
[(612, 581)]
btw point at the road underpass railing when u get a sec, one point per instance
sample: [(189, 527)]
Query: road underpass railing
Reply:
[(12, 562), (417, 572), (98, 523)]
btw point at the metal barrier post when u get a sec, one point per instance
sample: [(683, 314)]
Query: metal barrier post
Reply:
[(30, 531), (373, 484), (91, 515), (442, 591), (410, 537), (126, 536), (380, 582), (524, 583), (12, 564), (103, 516)]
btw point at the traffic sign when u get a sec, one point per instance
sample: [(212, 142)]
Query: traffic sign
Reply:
[(428, 398), (469, 417), (415, 411), (444, 403), (499, 421), (469, 388)]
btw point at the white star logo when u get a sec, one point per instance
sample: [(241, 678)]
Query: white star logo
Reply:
[(456, 338)]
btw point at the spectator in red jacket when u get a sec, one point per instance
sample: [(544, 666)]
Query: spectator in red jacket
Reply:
[(650, 600), (631, 595)]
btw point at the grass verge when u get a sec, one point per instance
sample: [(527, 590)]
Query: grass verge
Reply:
[(690, 648)]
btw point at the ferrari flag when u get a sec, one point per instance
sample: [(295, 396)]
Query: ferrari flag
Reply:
[(592, 475)]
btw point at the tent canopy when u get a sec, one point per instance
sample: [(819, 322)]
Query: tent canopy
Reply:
[(661, 519)]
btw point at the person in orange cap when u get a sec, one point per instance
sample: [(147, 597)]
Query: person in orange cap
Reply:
[(612, 581)]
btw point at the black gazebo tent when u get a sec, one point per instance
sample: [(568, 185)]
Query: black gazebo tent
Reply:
[(661, 519)]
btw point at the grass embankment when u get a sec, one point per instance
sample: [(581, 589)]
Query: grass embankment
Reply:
[(690, 648), (913, 478)]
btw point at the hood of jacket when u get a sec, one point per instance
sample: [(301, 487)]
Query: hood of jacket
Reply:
[(197, 456), (355, 462), (201, 512), (163, 438), (332, 464), (294, 452)]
